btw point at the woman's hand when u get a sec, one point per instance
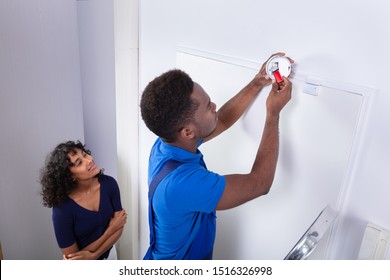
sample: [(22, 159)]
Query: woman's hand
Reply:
[(118, 221), (81, 255)]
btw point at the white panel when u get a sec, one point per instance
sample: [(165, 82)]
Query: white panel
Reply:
[(375, 243), (317, 138)]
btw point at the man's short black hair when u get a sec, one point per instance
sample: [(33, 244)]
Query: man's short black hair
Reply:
[(166, 104)]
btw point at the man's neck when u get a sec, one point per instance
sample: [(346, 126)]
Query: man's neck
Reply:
[(188, 145)]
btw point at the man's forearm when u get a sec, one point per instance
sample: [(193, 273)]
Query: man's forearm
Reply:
[(264, 166), (234, 108), (241, 188)]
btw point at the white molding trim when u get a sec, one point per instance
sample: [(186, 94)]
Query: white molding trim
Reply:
[(126, 14)]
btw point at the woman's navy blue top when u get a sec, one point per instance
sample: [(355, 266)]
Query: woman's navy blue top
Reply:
[(74, 223)]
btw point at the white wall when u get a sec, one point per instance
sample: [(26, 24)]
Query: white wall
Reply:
[(337, 40), (40, 106), (108, 35)]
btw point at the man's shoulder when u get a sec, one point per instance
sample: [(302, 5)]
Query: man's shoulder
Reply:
[(190, 173)]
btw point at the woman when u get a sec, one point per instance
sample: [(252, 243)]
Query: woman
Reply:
[(87, 212)]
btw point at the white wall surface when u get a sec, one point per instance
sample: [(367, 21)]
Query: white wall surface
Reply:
[(337, 40), (313, 169), (40, 106), (41, 99)]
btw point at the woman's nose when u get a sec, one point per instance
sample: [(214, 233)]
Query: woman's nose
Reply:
[(89, 158)]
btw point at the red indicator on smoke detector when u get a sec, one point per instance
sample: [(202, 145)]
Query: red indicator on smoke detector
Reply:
[(277, 76)]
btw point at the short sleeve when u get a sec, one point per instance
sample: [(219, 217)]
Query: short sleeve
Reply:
[(63, 227), (195, 189)]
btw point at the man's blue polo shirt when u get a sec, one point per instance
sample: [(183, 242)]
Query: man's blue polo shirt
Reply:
[(181, 199)]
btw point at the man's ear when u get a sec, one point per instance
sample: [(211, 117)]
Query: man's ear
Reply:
[(187, 133)]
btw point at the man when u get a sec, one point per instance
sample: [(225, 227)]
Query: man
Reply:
[(183, 204)]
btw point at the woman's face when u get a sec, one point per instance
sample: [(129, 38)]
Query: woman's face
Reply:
[(84, 166)]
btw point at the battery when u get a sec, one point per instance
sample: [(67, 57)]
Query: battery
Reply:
[(277, 76)]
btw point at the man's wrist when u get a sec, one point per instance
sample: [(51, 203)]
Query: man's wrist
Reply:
[(255, 86)]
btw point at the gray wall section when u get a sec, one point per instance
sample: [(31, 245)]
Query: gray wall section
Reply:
[(57, 83), (40, 106), (97, 62)]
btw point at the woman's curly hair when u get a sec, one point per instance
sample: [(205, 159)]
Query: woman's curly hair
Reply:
[(166, 104), (55, 177)]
